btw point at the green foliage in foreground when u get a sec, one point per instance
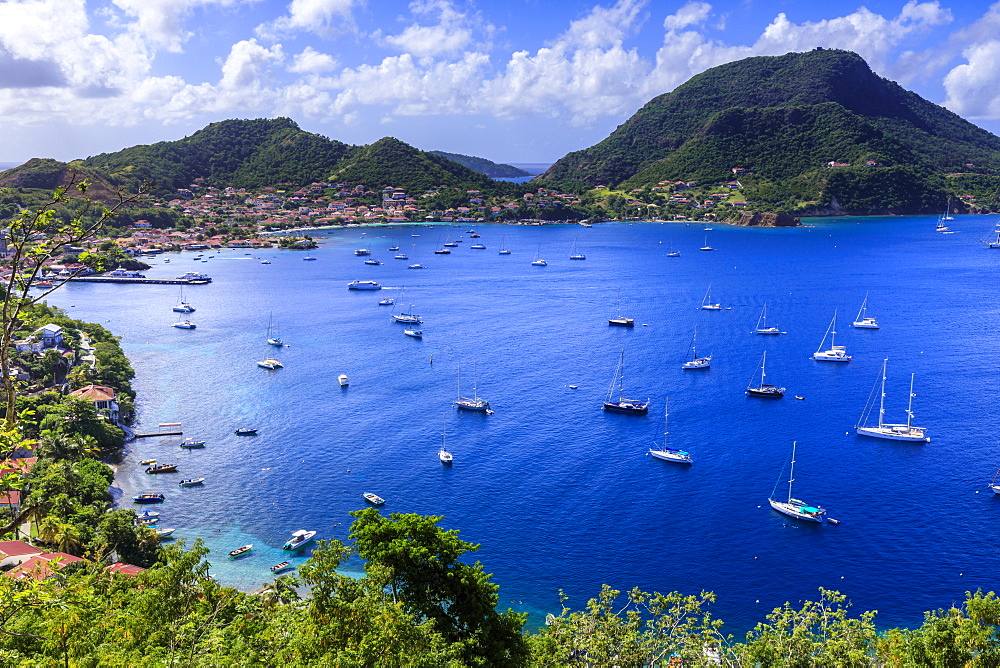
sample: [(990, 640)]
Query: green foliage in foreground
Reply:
[(419, 604)]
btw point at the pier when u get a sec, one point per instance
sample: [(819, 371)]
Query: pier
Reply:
[(157, 281), (164, 429)]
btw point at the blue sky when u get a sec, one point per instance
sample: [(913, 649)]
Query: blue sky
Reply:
[(512, 81)]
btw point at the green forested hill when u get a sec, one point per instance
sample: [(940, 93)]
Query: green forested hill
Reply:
[(390, 162), (784, 118), (483, 166), (241, 153)]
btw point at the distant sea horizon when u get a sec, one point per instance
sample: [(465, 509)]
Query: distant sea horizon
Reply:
[(11, 165)]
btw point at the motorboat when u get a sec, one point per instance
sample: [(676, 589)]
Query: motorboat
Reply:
[(415, 333), (373, 498), (283, 566), (342, 379), (372, 261), (621, 321), (148, 498), (147, 462), (298, 540), (195, 277), (193, 443), (387, 302), (240, 551), (362, 251), (364, 285), (451, 244), (191, 482), (270, 363), (164, 533), (161, 468), (147, 515), (442, 251), (245, 431), (539, 263), (478, 246), (400, 256), (309, 258), (185, 324), (415, 266)]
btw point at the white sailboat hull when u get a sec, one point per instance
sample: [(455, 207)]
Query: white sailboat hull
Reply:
[(831, 356), (676, 456), (895, 432), (866, 323), (793, 509), (699, 363), (996, 489)]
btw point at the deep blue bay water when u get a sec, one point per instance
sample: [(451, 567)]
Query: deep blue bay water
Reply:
[(560, 494)]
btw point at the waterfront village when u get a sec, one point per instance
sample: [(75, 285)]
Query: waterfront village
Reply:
[(239, 218)]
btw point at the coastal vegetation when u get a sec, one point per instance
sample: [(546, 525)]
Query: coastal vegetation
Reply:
[(483, 166)]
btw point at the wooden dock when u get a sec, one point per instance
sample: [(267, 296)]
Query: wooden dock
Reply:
[(165, 429)]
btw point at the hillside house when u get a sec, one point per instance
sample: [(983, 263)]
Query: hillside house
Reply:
[(15, 552), (103, 399), (42, 566)]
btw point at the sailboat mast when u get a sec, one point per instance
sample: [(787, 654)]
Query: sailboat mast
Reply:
[(791, 473), (763, 360), (621, 375), (833, 329), (909, 406), (459, 380), (881, 405), (864, 305), (475, 380)]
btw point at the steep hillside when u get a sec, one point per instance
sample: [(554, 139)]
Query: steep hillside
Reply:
[(390, 162), (46, 175), (784, 118), (241, 153)]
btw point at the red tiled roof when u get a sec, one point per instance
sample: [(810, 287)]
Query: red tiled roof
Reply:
[(94, 393), (41, 566), (17, 548), (124, 569)]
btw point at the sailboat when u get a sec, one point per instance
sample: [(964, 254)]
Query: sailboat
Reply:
[(670, 454), (183, 306), (793, 507), (503, 247), (475, 403), (408, 318), (696, 362), (993, 485), (893, 432), (538, 262), (620, 320), (671, 252), (272, 333), (443, 454), (707, 304), (947, 212), (763, 389), (706, 247), (576, 255), (835, 353), (864, 321), (623, 405), (994, 240), (762, 327)]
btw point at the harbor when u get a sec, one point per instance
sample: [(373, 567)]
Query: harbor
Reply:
[(149, 281)]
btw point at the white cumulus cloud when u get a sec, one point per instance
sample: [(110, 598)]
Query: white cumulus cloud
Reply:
[(321, 17), (452, 32), (973, 87)]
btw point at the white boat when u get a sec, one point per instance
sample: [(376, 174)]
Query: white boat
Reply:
[(372, 260), (539, 262), (993, 240), (503, 248), (621, 404), (364, 285), (865, 321), (443, 455), (400, 256), (793, 507), (415, 333), (576, 255), (763, 389), (389, 301), (342, 379), (270, 363), (185, 324), (479, 246), (892, 432), (183, 306), (309, 258), (707, 304), (415, 266), (620, 320), (272, 333), (696, 362), (947, 212), (195, 277), (476, 403), (669, 454), (706, 247), (299, 539), (834, 353), (407, 318), (164, 533), (671, 252), (362, 251), (762, 327), (373, 498), (993, 485), (265, 262)]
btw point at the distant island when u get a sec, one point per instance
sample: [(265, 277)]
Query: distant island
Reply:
[(484, 166)]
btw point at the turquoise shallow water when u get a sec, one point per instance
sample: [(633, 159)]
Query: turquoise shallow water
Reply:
[(560, 494)]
